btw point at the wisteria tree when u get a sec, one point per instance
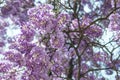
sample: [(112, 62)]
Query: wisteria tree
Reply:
[(60, 40)]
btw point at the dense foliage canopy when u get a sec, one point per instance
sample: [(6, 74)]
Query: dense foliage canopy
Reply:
[(60, 40)]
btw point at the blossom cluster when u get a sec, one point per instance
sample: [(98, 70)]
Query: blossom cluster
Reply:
[(55, 46)]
